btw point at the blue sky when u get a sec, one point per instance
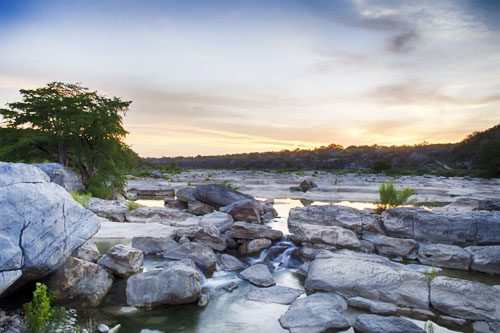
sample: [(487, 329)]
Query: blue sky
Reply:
[(215, 77)]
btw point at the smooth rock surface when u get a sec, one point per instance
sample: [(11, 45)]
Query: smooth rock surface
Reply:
[(444, 255), (247, 210), (390, 246), (258, 275), (179, 283), (331, 235), (229, 263), (465, 299), (275, 294), (255, 246), (375, 307), (321, 312), (220, 220), (218, 195), (244, 230), (200, 254), (122, 260), (366, 323), (62, 176), (485, 258), (113, 210), (370, 276), (153, 245), (80, 282), (88, 252), (40, 224)]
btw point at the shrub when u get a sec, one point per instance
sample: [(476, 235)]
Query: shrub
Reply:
[(38, 311), (82, 198), (381, 166), (131, 205), (430, 275), (391, 197)]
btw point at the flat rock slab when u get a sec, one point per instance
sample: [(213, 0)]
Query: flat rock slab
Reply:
[(275, 294), (375, 324), (258, 275), (117, 230), (372, 306), (321, 312)]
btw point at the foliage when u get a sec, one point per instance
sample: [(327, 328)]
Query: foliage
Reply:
[(171, 168), (81, 198), (391, 197), (38, 311), (71, 125), (488, 158), (131, 205), (430, 275), (230, 186), (380, 166)]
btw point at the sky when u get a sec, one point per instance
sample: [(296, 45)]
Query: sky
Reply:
[(223, 76)]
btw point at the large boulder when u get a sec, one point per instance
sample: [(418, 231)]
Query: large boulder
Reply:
[(247, 210), (185, 194), (462, 229), (80, 282), (393, 247), (178, 283), (63, 176), (258, 275), (444, 255), (218, 195), (330, 235), (122, 260), (465, 299), (197, 207), (321, 312), (244, 230), (333, 215), (229, 263), (485, 258), (254, 246), (200, 254), (149, 189), (40, 224), (222, 221), (367, 323), (370, 276), (154, 245)]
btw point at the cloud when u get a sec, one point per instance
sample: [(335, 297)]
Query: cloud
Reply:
[(404, 42)]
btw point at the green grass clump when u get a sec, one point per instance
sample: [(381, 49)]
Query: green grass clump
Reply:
[(230, 186), (38, 311), (430, 275), (82, 198), (391, 197), (131, 205)]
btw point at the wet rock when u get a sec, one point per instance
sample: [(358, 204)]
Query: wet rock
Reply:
[(153, 245), (62, 176), (179, 283), (175, 204), (218, 195), (465, 299), (443, 255), (390, 246), (88, 252), (199, 208), (255, 246), (485, 258), (113, 210), (220, 220), (330, 215), (244, 230), (275, 294), (203, 301), (331, 235), (80, 282), (375, 307), (370, 276), (148, 189), (156, 215), (366, 323), (200, 254), (122, 260), (321, 312), (229, 263), (40, 224), (258, 275), (230, 287)]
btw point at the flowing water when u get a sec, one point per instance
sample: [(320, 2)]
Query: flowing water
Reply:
[(230, 311)]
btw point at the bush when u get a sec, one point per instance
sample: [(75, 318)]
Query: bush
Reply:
[(38, 311), (391, 197), (82, 198), (380, 166), (132, 205)]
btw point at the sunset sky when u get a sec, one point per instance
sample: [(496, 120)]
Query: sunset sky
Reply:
[(217, 77)]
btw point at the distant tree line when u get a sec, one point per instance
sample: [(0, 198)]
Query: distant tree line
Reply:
[(478, 154)]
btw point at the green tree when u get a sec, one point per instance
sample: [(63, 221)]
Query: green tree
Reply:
[(71, 125), (488, 158)]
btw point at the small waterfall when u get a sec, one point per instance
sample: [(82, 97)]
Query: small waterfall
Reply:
[(279, 255)]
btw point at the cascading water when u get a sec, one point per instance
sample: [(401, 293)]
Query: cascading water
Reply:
[(280, 255)]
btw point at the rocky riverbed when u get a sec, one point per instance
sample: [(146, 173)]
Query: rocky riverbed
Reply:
[(196, 255)]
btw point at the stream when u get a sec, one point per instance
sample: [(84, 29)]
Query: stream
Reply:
[(231, 311)]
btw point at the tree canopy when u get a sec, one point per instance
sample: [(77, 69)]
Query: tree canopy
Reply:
[(71, 125)]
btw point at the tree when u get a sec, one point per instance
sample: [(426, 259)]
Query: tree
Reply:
[(488, 158), (71, 125)]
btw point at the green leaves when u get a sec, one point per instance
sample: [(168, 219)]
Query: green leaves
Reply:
[(38, 311), (391, 197), (69, 124)]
